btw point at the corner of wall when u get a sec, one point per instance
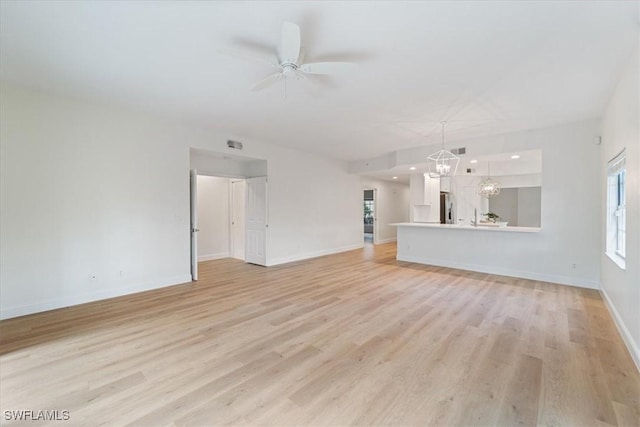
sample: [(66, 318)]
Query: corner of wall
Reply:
[(622, 329), (620, 129)]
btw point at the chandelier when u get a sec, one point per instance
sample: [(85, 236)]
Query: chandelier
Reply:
[(488, 187), (443, 162)]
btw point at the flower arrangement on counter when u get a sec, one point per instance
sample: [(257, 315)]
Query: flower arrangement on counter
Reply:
[(491, 217)]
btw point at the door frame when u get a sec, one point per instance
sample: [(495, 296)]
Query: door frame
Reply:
[(231, 217), (193, 209), (225, 164), (375, 213), (193, 222)]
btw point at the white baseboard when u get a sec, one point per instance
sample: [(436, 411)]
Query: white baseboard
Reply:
[(211, 257), (52, 304), (389, 240), (308, 255), (624, 332), (532, 275)]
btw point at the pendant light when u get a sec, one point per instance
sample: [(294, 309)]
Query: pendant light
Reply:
[(488, 187), (443, 162)]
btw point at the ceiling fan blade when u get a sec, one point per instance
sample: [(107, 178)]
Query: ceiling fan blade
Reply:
[(301, 56), (307, 84), (325, 67), (251, 56), (268, 81), (290, 44)]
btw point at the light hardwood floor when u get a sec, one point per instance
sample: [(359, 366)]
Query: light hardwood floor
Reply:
[(349, 339)]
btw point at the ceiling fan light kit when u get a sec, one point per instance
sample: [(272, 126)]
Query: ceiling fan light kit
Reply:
[(442, 163)]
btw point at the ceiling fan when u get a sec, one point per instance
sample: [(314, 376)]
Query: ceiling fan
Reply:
[(288, 59)]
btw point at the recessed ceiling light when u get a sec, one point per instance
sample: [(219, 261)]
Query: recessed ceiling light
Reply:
[(515, 156), (412, 168), (395, 177), (473, 161)]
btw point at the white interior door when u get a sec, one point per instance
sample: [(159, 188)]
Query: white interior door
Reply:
[(255, 248), (194, 223), (237, 218)]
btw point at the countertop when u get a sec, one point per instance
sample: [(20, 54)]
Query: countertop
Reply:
[(507, 229)]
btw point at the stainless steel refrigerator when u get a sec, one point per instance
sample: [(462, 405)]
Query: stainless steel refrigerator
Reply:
[(447, 208)]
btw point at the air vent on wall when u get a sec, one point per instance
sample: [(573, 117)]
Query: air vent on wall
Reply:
[(459, 151), (234, 144)]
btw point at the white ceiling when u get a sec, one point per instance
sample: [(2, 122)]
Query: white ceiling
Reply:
[(485, 67)]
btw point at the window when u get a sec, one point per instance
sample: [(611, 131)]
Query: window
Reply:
[(616, 209), (368, 211)]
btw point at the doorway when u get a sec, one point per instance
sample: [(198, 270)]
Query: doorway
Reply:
[(369, 216), (240, 208), (217, 219), (237, 216)]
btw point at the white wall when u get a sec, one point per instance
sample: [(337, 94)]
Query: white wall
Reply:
[(620, 129), (213, 217), (87, 192), (518, 206), (566, 250), (315, 207), (520, 181), (214, 164), (88, 189), (505, 204), (392, 205), (529, 206)]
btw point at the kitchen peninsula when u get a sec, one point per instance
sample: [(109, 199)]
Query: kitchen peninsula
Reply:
[(510, 251), (449, 222)]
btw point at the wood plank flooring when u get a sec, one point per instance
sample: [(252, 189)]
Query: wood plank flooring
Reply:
[(348, 339)]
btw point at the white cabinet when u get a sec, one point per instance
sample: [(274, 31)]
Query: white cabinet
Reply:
[(445, 184), (432, 186), (424, 190), (425, 198)]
